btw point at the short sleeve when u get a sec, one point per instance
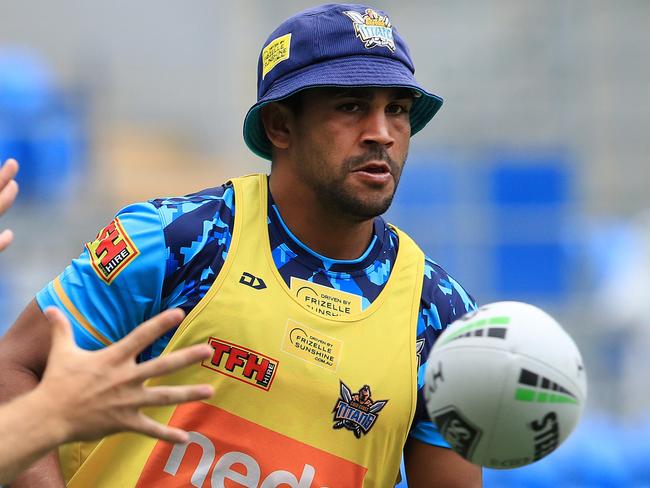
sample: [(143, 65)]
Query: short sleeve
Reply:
[(115, 283), (443, 301)]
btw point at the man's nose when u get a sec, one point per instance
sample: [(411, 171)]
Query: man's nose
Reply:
[(376, 129)]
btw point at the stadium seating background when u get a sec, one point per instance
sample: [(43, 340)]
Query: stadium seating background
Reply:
[(528, 185)]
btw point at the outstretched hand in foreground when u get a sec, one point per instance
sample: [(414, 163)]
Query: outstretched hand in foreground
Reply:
[(86, 395)]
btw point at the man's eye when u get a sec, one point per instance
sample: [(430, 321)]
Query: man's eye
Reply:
[(349, 107), (397, 109)]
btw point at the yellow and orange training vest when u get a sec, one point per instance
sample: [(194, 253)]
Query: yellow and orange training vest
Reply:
[(310, 390)]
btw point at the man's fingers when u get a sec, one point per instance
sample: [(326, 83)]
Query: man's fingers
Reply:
[(158, 396), (6, 236), (8, 194), (173, 362), (62, 337), (8, 171), (8, 187), (148, 331), (150, 427)]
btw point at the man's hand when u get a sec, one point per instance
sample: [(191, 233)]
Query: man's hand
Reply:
[(86, 395), (99, 393), (8, 192)]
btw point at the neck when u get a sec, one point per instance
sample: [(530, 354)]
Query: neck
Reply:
[(318, 227)]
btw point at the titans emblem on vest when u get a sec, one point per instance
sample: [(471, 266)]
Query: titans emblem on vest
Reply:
[(357, 412)]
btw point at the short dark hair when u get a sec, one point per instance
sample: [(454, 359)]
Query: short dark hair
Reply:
[(293, 103)]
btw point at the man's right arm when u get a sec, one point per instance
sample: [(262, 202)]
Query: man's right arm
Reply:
[(98, 298), (105, 299), (23, 355)]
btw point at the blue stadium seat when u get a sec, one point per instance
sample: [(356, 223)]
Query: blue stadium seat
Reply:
[(40, 126), (530, 197), (425, 207)]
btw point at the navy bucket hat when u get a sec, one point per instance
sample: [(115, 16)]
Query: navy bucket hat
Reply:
[(336, 45)]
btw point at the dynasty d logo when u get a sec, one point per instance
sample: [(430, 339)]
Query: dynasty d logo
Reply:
[(252, 281), (357, 412), (372, 28)]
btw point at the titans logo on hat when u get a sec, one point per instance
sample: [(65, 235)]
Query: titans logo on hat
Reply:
[(372, 28)]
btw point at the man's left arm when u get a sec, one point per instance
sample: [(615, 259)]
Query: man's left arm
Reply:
[(429, 466), (428, 458)]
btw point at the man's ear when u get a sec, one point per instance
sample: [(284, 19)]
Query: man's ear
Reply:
[(277, 119)]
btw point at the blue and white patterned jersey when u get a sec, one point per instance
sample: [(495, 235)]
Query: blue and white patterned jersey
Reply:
[(175, 249)]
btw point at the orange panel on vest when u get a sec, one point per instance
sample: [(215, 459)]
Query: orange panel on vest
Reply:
[(227, 450)]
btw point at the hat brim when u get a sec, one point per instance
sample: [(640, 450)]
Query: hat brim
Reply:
[(368, 70)]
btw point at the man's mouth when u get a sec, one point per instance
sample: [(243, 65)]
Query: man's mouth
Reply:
[(374, 173), (374, 168)]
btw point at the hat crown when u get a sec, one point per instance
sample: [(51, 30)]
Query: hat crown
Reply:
[(334, 45), (328, 32)]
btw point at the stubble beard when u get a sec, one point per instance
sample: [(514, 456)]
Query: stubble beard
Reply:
[(333, 194)]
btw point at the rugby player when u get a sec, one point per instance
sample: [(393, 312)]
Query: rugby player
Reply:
[(309, 299)]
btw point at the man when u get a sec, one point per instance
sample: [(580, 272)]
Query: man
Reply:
[(87, 395), (308, 298)]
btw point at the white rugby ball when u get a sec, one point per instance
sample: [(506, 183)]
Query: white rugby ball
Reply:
[(505, 385)]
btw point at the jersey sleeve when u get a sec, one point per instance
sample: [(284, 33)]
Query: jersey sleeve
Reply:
[(443, 301), (197, 235), (115, 284)]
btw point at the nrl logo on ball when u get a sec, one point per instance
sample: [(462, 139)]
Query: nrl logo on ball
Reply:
[(462, 435), (372, 28)]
